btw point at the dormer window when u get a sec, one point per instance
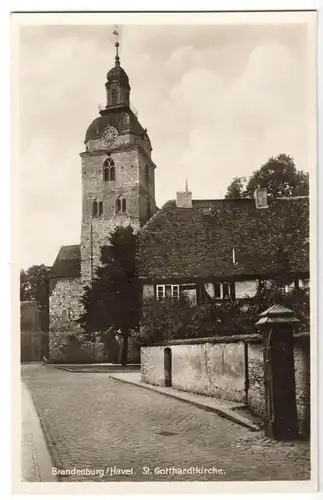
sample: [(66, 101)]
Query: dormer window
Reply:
[(109, 172)]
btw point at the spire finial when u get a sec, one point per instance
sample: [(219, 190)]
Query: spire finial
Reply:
[(116, 44), (186, 186)]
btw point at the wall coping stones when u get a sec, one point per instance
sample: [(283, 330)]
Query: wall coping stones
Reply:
[(247, 337)]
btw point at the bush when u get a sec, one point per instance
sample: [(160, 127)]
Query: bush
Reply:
[(178, 319)]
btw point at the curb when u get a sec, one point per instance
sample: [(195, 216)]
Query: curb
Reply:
[(38, 440), (227, 414)]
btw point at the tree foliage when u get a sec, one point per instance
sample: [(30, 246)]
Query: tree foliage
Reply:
[(279, 175), (111, 303), (33, 283), (237, 188), (176, 319), (34, 286)]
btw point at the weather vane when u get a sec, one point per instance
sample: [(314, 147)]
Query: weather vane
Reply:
[(116, 32)]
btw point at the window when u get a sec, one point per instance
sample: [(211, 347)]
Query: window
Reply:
[(224, 290), (100, 208), (217, 291), (114, 96), (97, 209), (109, 172), (121, 205), (167, 291), (305, 284)]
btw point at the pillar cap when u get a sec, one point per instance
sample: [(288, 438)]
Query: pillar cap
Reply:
[(277, 314)]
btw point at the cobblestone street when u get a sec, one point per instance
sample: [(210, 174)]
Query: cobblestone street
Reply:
[(92, 421)]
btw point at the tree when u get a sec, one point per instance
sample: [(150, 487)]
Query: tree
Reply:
[(279, 175), (34, 286), (170, 319), (236, 188), (33, 283), (111, 303), (271, 293)]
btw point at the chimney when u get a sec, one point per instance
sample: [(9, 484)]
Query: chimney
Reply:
[(260, 196), (184, 198)]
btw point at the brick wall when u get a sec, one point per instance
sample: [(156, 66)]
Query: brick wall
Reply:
[(256, 391), (302, 382)]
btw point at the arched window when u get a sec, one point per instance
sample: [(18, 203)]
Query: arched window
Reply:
[(109, 172), (97, 209), (121, 205)]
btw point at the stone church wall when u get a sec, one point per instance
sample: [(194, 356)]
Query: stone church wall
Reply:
[(66, 340), (126, 185)]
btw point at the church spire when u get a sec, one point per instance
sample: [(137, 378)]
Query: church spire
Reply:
[(116, 44), (117, 59), (117, 85)]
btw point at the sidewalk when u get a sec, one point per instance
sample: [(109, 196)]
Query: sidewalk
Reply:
[(36, 463), (95, 367), (227, 409)]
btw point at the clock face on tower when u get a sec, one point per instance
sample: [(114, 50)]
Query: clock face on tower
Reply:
[(109, 136)]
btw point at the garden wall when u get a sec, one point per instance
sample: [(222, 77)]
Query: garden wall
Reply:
[(230, 367)]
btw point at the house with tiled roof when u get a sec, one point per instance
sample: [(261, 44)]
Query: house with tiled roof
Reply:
[(223, 248)]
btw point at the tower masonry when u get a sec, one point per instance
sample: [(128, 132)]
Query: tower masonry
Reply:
[(118, 189), (118, 174)]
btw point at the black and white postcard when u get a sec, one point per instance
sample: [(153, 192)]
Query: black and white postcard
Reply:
[(164, 177)]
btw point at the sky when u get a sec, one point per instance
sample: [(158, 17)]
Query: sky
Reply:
[(217, 100)]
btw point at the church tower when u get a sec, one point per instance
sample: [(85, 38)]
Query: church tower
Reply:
[(118, 174)]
